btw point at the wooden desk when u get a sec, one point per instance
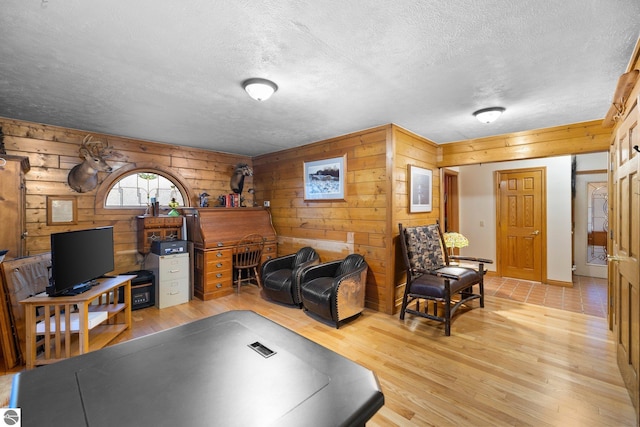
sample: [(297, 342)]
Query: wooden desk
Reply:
[(46, 319), (214, 232)]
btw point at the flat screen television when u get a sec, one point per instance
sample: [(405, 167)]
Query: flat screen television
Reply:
[(78, 258)]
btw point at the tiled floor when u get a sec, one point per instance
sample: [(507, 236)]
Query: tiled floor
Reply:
[(588, 295)]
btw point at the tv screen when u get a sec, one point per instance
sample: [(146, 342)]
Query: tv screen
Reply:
[(78, 257)]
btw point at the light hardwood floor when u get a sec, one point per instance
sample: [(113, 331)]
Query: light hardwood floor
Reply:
[(507, 364)]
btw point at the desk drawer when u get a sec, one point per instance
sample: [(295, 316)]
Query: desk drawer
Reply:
[(269, 252), (213, 273)]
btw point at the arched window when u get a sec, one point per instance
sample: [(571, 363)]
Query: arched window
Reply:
[(142, 187)]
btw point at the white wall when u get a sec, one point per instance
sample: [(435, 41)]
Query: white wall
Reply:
[(478, 211)]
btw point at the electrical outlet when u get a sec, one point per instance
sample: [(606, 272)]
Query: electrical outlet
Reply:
[(266, 203)]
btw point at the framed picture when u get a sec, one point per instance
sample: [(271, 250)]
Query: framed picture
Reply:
[(420, 186), (62, 210), (325, 179)]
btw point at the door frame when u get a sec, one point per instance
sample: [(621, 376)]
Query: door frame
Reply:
[(543, 225), (451, 201)]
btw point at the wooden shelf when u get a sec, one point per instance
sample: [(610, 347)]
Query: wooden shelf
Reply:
[(103, 335), (62, 344), (111, 309)]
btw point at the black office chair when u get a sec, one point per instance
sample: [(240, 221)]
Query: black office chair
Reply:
[(335, 290), (281, 276)]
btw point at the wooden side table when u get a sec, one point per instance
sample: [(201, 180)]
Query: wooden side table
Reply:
[(95, 318)]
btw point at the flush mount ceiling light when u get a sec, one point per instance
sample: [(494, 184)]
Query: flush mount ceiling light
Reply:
[(259, 89), (488, 115)]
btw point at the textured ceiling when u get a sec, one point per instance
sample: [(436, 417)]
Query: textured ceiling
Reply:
[(171, 71)]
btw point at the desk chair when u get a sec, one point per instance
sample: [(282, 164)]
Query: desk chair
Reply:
[(246, 258)]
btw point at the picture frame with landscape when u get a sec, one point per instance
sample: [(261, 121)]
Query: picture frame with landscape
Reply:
[(324, 180)]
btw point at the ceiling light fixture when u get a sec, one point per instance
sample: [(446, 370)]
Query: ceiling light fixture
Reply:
[(488, 115), (259, 89)]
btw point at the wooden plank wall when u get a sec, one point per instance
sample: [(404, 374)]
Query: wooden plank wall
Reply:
[(577, 138), (365, 222), (334, 228), (409, 149), (53, 151)]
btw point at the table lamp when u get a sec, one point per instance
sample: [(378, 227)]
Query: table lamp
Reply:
[(455, 240)]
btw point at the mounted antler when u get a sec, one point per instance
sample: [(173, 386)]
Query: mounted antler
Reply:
[(84, 177)]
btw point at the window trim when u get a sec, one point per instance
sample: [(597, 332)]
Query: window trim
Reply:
[(107, 184)]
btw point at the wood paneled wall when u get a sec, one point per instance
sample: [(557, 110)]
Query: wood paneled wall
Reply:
[(334, 228), (366, 222), (53, 151), (577, 138), (409, 149)]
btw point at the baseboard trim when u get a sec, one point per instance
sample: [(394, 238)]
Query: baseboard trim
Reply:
[(560, 283)]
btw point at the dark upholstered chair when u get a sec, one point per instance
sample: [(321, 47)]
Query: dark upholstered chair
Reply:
[(281, 276), (431, 279), (335, 290)]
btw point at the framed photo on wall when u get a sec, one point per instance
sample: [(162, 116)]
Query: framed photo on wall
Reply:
[(62, 210), (420, 189), (325, 179)]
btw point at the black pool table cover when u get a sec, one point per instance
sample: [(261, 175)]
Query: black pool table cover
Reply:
[(233, 369)]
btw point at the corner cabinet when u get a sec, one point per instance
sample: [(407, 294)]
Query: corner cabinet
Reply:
[(214, 232), (12, 199)]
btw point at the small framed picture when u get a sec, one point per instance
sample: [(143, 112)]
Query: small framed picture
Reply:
[(62, 210), (325, 179), (420, 185)]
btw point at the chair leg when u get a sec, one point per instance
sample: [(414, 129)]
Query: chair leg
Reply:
[(447, 312), (404, 305), (239, 281), (255, 272), (481, 293)]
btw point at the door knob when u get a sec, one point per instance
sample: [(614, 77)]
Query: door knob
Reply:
[(613, 258), (535, 233)]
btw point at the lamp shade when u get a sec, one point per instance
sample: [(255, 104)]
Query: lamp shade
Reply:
[(488, 115), (455, 240), (259, 89)]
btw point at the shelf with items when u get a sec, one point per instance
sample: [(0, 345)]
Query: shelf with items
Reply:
[(152, 228), (95, 318)]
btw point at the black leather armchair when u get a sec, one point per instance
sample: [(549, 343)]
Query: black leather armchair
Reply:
[(335, 290), (281, 276)]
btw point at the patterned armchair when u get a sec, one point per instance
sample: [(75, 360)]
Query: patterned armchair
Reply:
[(431, 280)]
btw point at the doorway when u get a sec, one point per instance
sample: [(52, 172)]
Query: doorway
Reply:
[(591, 227), (451, 201), (521, 225)]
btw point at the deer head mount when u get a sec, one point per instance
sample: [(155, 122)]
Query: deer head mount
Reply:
[(84, 177)]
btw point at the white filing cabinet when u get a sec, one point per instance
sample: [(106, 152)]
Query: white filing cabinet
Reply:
[(172, 278)]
